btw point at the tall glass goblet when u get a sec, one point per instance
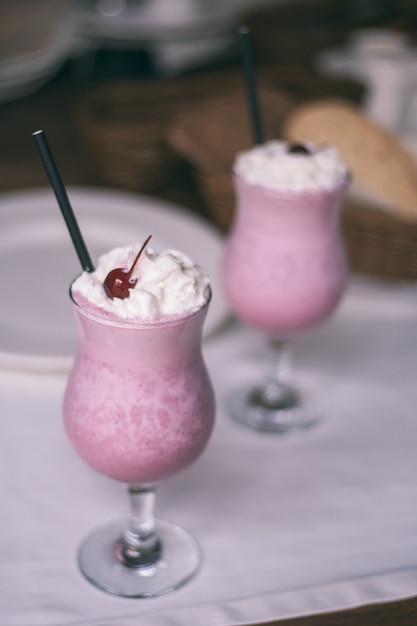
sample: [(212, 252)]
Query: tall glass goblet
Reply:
[(284, 271), (138, 407)]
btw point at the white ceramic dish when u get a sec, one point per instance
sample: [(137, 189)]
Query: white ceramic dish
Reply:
[(38, 262)]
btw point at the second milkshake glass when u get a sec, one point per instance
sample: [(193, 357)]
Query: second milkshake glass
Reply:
[(284, 271), (138, 407)]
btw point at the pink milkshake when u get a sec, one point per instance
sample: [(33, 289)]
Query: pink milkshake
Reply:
[(139, 407), (284, 267)]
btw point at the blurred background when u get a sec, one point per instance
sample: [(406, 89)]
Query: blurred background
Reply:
[(148, 95)]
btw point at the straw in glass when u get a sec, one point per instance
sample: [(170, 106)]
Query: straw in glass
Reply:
[(63, 200), (251, 87)]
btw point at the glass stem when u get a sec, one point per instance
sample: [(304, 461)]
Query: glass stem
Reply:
[(278, 391), (140, 545), (279, 367)]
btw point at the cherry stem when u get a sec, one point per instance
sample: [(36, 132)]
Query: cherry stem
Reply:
[(129, 273)]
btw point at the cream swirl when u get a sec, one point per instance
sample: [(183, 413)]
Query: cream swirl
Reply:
[(274, 166), (168, 284)]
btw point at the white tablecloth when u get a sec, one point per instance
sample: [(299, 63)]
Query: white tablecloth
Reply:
[(310, 522)]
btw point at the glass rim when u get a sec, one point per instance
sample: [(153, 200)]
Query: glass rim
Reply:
[(175, 320)]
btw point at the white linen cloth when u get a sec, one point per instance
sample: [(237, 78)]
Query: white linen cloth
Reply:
[(289, 525)]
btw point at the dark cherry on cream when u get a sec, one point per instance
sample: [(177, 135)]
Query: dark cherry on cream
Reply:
[(119, 281), (298, 148)]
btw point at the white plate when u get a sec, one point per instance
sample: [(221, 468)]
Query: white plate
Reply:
[(38, 262)]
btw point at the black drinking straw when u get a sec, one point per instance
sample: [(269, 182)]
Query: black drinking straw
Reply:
[(251, 89), (63, 201)]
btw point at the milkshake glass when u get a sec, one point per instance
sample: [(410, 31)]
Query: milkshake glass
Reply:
[(139, 407), (284, 267)]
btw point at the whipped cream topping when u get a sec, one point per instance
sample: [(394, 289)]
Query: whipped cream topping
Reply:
[(168, 284), (272, 165)]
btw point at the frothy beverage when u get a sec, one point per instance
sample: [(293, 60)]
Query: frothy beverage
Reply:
[(284, 267), (139, 405)]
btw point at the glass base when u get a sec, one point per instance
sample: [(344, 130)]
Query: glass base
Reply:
[(275, 408), (180, 560)]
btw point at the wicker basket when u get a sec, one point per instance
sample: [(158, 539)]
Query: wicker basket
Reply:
[(218, 194), (124, 127), (377, 244), (124, 124)]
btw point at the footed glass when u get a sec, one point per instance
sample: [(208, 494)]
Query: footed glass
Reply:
[(284, 271), (139, 407)]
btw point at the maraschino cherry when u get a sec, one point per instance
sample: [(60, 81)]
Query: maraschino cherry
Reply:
[(119, 281), (298, 148)]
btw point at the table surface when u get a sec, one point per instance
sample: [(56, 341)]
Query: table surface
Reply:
[(51, 108)]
